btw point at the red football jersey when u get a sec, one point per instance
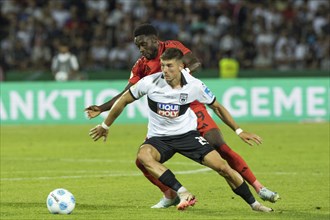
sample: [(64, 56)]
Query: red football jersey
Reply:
[(144, 67)]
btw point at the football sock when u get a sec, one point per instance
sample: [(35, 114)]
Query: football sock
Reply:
[(244, 192), (256, 203), (182, 189), (236, 162), (152, 179), (166, 200), (168, 179), (257, 186)]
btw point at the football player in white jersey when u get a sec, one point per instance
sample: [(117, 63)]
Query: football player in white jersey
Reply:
[(173, 128), (151, 48)]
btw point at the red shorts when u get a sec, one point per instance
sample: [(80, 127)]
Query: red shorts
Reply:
[(204, 120)]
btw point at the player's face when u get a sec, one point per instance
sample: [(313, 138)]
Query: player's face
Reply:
[(148, 46), (63, 49), (171, 70)]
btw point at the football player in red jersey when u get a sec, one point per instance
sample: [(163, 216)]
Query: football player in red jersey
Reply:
[(172, 128), (151, 48)]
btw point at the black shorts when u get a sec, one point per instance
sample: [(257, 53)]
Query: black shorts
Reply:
[(191, 145)]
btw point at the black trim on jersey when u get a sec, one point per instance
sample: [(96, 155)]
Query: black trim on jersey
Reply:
[(132, 94), (212, 101), (153, 107), (183, 80), (156, 78)]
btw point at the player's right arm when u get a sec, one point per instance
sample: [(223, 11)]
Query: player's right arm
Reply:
[(94, 110), (136, 74), (134, 93), (117, 108)]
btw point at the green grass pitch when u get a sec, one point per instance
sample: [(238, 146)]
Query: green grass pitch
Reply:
[(293, 160)]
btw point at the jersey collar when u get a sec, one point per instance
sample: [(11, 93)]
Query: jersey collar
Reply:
[(183, 79)]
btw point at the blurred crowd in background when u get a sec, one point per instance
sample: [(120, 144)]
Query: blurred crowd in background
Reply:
[(259, 34)]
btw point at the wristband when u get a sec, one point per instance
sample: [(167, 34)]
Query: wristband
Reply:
[(103, 125), (238, 131)]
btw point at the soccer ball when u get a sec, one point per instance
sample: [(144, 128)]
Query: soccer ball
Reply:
[(61, 76), (60, 201)]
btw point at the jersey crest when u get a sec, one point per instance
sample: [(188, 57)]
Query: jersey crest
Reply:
[(183, 98)]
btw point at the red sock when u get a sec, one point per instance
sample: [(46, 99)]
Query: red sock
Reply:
[(152, 179), (237, 163)]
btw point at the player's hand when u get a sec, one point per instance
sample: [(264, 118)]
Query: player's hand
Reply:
[(250, 138), (97, 132), (92, 111)]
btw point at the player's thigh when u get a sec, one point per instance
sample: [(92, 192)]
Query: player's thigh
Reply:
[(148, 152)]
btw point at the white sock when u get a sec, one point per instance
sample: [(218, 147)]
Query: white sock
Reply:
[(255, 204), (167, 200), (182, 189)]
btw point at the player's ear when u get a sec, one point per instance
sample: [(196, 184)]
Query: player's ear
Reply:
[(154, 38), (181, 66)]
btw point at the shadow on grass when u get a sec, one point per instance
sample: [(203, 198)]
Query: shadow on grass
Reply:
[(23, 204), (249, 214), (37, 205), (198, 213)]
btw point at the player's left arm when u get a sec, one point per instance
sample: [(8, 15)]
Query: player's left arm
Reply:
[(74, 65), (118, 107), (191, 61), (226, 117)]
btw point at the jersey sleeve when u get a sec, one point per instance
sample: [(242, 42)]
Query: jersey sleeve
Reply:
[(140, 88), (136, 72), (74, 62), (178, 45), (205, 94)]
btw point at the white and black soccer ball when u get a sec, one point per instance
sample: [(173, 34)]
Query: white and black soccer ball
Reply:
[(60, 201)]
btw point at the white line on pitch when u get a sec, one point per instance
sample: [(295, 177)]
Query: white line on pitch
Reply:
[(73, 160), (96, 176)]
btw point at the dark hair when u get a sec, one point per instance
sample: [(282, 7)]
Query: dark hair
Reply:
[(64, 42), (145, 29), (172, 53)]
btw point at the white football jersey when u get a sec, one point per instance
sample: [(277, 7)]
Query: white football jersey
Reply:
[(169, 111)]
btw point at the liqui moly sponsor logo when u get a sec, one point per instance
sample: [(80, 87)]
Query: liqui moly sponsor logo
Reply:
[(168, 110)]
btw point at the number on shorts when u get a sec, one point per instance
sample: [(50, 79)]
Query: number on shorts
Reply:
[(201, 140)]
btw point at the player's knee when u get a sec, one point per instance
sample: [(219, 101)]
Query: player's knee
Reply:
[(217, 164), (144, 155), (141, 157), (224, 170)]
